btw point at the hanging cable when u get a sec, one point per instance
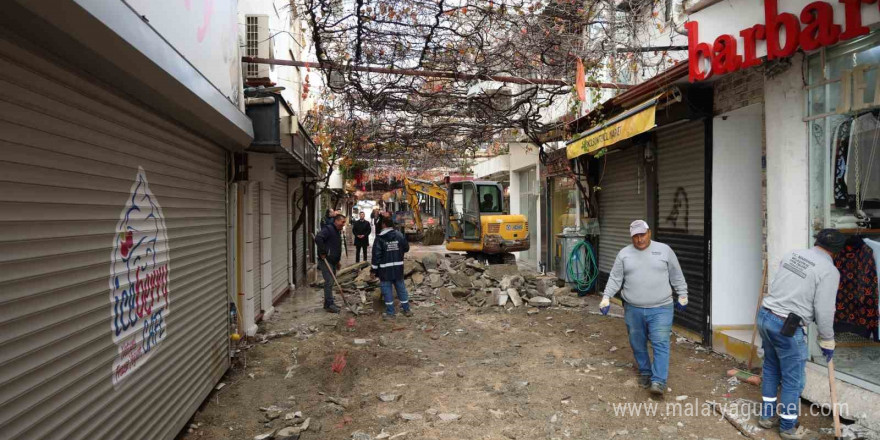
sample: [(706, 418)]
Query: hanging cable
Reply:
[(582, 268)]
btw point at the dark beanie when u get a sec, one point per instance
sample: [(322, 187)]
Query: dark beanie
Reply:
[(831, 239)]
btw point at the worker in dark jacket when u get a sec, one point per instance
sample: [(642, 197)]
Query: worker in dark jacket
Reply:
[(388, 251), (361, 230), (329, 244)]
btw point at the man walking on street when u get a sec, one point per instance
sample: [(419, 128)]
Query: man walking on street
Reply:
[(648, 271), (803, 291), (329, 244), (388, 251), (361, 230)]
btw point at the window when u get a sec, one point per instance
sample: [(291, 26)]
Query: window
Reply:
[(490, 199), (252, 44), (843, 122)]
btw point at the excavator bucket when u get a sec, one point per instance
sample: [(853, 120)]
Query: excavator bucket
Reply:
[(433, 236)]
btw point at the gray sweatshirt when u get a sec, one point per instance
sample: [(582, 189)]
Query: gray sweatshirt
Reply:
[(647, 277), (806, 284)]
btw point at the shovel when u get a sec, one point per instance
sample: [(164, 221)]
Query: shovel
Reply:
[(838, 435), (341, 291)]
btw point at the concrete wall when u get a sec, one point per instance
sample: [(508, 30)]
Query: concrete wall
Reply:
[(787, 164), (522, 157), (496, 165), (205, 33), (737, 242)]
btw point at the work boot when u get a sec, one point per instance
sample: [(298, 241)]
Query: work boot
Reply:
[(408, 313), (389, 317), (332, 308), (768, 422), (657, 389), (645, 381), (798, 433)]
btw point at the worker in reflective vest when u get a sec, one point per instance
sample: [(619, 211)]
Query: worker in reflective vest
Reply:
[(388, 251)]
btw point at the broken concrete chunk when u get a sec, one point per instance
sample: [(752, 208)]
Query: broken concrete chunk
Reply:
[(360, 342), (387, 397), (430, 261), (265, 436), (460, 280), (540, 301), (448, 417), (435, 280), (417, 278), (411, 417), (292, 431), (293, 415), (569, 301), (461, 293), (514, 297), (358, 435), (497, 272), (512, 281)]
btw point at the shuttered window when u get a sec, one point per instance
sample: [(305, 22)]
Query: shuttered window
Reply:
[(621, 201), (681, 189), (113, 259), (280, 237)]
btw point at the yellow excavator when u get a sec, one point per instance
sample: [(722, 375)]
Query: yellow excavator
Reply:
[(477, 220)]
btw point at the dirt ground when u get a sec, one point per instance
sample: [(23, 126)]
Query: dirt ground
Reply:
[(514, 373)]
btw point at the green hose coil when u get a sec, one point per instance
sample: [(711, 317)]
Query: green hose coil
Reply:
[(582, 268)]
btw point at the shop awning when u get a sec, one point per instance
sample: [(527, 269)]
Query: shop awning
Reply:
[(637, 120)]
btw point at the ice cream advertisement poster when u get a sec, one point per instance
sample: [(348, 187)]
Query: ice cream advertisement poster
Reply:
[(139, 281)]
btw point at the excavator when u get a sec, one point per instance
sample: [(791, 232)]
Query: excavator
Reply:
[(477, 220)]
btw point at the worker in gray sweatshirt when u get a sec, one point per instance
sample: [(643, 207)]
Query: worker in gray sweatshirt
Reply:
[(804, 290), (647, 271)]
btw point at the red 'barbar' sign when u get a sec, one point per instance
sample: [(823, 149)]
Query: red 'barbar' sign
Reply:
[(781, 31)]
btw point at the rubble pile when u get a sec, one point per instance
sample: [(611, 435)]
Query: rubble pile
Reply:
[(454, 277)]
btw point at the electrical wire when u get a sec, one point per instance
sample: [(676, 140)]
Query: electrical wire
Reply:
[(582, 268)]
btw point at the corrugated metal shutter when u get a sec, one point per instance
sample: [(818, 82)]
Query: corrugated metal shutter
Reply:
[(280, 237), (73, 152), (258, 247), (621, 201), (681, 189), (299, 271)]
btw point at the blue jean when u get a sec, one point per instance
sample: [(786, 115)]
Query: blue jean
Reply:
[(655, 325), (785, 361), (328, 280), (388, 295)]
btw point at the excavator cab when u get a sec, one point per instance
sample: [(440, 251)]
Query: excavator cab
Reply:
[(478, 224)]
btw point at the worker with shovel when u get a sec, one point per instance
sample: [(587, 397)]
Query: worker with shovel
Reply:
[(803, 291), (329, 244), (388, 251), (647, 271)]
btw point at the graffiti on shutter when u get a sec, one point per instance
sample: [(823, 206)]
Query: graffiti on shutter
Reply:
[(139, 274)]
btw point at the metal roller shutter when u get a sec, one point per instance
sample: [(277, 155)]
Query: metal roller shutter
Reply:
[(621, 200), (681, 189), (98, 195), (280, 237), (258, 247)]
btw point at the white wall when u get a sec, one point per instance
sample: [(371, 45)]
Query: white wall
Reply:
[(787, 165), (736, 215), (205, 33), (497, 164), (285, 30)]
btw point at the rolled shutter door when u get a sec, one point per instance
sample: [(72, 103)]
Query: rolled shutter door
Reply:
[(280, 241), (100, 196), (258, 247), (621, 201), (681, 188)]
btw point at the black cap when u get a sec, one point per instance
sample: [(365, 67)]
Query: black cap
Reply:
[(831, 239)]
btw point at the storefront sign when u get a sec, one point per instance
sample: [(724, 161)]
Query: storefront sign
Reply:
[(139, 275), (610, 134), (557, 164), (782, 34)]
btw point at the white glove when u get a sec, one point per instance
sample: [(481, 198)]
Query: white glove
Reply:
[(683, 300), (605, 305)]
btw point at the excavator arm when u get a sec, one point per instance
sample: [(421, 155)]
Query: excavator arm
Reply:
[(415, 187)]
